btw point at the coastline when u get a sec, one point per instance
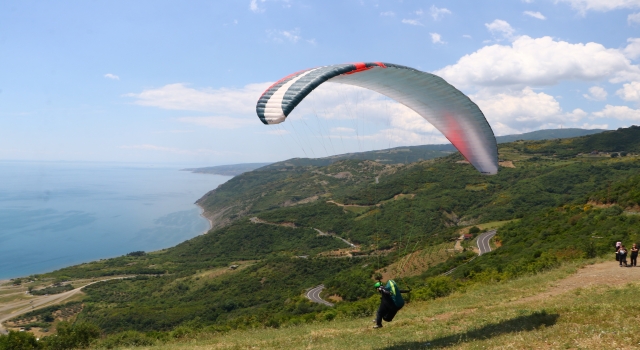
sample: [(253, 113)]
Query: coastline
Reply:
[(202, 213)]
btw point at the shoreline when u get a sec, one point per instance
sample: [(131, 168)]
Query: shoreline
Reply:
[(202, 211)]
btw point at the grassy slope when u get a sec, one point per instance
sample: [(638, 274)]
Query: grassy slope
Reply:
[(494, 315), (440, 187)]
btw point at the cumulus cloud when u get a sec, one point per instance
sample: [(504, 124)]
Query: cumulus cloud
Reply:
[(632, 51), (221, 101), (111, 76), (583, 6), (219, 122), (633, 18), (413, 22), (253, 6), (619, 112), (438, 13), (520, 110), (630, 92), (596, 93), (500, 27), (387, 14), (436, 38), (540, 62), (537, 15), (517, 109)]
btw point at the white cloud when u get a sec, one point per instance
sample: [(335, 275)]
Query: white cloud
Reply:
[(253, 6), (583, 6), (539, 62), (438, 13), (467, 36), (630, 92), (387, 13), (501, 27), (413, 22), (341, 130), (292, 36), (221, 122), (619, 112), (633, 18), (436, 38), (277, 132), (518, 109), (632, 51), (537, 15), (180, 97), (594, 126), (111, 76), (596, 93)]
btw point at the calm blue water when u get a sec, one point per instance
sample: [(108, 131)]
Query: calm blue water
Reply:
[(54, 215)]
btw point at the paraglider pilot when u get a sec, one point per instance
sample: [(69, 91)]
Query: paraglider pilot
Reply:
[(390, 301)]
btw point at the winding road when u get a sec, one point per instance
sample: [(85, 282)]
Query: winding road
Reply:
[(483, 241), (314, 295)]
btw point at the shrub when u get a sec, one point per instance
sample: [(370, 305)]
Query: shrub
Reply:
[(436, 287), (18, 341), (126, 339), (69, 336)]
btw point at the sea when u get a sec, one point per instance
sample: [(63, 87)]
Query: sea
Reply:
[(57, 214)]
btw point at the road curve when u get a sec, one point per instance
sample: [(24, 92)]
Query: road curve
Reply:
[(314, 295), (483, 241)]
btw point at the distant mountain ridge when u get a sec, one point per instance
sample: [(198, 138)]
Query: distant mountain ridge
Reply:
[(228, 170), (397, 155)]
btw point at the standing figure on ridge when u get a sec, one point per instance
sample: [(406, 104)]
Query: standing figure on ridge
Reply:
[(622, 252), (634, 255)]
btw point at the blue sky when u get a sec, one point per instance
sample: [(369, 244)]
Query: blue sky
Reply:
[(169, 81)]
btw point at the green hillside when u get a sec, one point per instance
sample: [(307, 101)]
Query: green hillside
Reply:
[(396, 155), (282, 227)]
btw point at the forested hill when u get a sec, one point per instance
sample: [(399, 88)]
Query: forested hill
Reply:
[(266, 188), (285, 228)]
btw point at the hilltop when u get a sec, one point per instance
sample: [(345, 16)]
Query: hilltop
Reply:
[(287, 227)]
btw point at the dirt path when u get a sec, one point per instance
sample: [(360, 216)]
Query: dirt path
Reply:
[(17, 308), (605, 274)]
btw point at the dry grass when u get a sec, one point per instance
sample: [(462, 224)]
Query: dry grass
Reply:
[(493, 316)]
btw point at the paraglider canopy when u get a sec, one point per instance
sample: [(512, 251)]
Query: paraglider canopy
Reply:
[(457, 117)]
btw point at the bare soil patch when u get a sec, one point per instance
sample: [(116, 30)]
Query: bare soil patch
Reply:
[(602, 274)]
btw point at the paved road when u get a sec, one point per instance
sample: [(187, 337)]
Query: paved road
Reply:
[(314, 295), (24, 306), (483, 241)]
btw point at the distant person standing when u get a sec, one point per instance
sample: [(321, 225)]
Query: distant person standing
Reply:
[(634, 255), (622, 252), (618, 244)]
